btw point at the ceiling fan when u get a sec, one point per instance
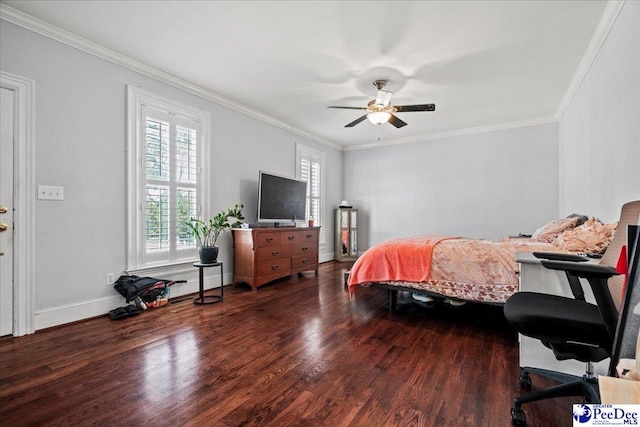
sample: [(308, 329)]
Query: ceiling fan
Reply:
[(380, 110)]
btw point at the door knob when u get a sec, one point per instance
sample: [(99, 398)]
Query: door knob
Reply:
[(3, 209), (3, 226)]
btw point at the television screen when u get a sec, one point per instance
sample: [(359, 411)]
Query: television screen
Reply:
[(281, 199)]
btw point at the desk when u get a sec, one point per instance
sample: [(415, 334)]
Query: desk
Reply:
[(209, 299)]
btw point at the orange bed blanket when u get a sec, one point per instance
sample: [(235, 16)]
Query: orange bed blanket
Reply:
[(405, 259)]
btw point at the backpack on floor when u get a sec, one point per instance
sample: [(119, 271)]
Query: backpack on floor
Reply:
[(147, 288)]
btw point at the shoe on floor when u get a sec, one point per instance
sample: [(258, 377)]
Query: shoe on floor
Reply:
[(118, 313), (421, 298), (455, 302), (132, 310)]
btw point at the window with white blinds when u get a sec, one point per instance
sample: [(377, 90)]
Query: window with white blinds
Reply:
[(310, 168), (167, 187), (310, 172)]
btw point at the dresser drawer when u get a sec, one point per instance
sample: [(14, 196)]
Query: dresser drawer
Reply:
[(305, 248), (267, 239), (303, 261), (290, 237), (273, 252), (276, 267), (309, 236)]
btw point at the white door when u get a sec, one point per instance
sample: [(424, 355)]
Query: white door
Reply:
[(6, 211)]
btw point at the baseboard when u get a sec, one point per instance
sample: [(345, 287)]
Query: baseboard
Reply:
[(55, 316), (60, 315)]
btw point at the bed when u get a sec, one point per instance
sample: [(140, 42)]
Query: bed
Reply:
[(463, 269)]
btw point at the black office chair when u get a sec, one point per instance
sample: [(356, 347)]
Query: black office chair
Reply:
[(571, 327)]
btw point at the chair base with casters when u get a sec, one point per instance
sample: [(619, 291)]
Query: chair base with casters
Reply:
[(570, 385)]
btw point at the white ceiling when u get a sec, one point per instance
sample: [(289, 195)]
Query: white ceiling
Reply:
[(484, 64)]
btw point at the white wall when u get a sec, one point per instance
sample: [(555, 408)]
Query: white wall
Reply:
[(80, 145), (484, 185), (503, 182), (487, 185), (600, 129)]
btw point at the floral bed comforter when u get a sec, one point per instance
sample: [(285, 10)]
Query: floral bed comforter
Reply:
[(466, 269)]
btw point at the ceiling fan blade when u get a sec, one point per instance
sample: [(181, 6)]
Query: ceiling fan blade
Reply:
[(419, 107), (347, 108), (356, 121), (383, 97), (396, 121)]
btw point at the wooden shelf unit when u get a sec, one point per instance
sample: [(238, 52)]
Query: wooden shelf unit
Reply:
[(261, 255)]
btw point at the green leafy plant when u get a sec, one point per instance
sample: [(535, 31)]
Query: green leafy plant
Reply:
[(206, 233)]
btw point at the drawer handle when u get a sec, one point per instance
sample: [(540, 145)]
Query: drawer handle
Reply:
[(305, 249), (275, 267), (290, 237), (269, 239), (309, 236), (304, 261), (274, 253)]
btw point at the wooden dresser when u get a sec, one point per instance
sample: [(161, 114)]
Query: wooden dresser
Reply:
[(261, 255)]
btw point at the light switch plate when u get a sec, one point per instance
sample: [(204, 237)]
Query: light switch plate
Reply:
[(50, 192)]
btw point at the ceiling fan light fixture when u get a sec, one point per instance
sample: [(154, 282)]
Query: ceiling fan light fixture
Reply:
[(380, 110), (379, 117)]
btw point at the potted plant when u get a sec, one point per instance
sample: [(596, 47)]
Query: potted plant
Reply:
[(206, 233)]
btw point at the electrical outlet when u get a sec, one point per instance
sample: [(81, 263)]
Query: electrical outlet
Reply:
[(110, 279)]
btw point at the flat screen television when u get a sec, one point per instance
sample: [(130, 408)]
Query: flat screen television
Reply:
[(281, 200)]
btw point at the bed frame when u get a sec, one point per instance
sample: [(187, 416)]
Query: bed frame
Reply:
[(394, 289)]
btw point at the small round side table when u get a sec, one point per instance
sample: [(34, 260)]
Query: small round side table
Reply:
[(209, 299)]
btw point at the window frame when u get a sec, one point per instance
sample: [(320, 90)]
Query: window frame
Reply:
[(137, 101), (304, 151)]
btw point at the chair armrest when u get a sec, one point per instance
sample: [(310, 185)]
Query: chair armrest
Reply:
[(582, 270), (597, 276), (560, 256)]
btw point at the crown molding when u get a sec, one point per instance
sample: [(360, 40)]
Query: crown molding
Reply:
[(457, 132), (41, 27), (608, 18), (609, 15)]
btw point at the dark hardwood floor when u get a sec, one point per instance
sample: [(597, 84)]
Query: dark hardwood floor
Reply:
[(297, 352)]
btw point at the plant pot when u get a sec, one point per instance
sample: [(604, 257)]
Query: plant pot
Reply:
[(208, 254)]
